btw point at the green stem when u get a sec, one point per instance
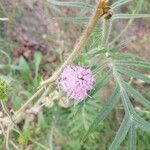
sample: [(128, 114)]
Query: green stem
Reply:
[(29, 101)]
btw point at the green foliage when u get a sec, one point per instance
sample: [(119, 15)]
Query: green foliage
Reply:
[(121, 133), (130, 16), (107, 108), (131, 119), (115, 97), (23, 139), (4, 88), (25, 136), (119, 3), (25, 69), (80, 5), (37, 61), (137, 95), (132, 137)]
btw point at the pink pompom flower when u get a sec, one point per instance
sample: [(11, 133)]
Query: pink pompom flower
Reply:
[(76, 82)]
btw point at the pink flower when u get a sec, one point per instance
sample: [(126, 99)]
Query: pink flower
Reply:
[(76, 82)]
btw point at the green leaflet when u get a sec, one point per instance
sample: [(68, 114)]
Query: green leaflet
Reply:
[(132, 137), (122, 56), (121, 133), (141, 123), (76, 20), (137, 95), (25, 69), (82, 116), (119, 3), (37, 61), (126, 102), (132, 119), (134, 74), (107, 108), (96, 51), (99, 68), (130, 16), (72, 4), (124, 96), (141, 64), (102, 82)]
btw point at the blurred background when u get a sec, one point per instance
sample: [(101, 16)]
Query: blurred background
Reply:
[(37, 35)]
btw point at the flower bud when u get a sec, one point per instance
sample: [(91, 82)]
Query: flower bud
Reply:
[(4, 88)]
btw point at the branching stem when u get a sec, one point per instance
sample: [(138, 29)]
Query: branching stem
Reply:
[(101, 9)]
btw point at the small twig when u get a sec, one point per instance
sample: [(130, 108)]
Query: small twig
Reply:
[(101, 9)]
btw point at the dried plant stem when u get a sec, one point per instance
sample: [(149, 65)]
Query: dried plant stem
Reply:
[(12, 122), (101, 9), (7, 138), (44, 94), (8, 113)]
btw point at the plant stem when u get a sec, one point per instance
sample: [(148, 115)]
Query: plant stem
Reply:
[(12, 122), (44, 94), (101, 9), (29, 101)]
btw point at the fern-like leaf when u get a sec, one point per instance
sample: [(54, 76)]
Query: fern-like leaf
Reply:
[(121, 134), (107, 108)]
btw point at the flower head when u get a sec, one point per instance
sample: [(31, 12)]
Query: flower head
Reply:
[(76, 82)]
